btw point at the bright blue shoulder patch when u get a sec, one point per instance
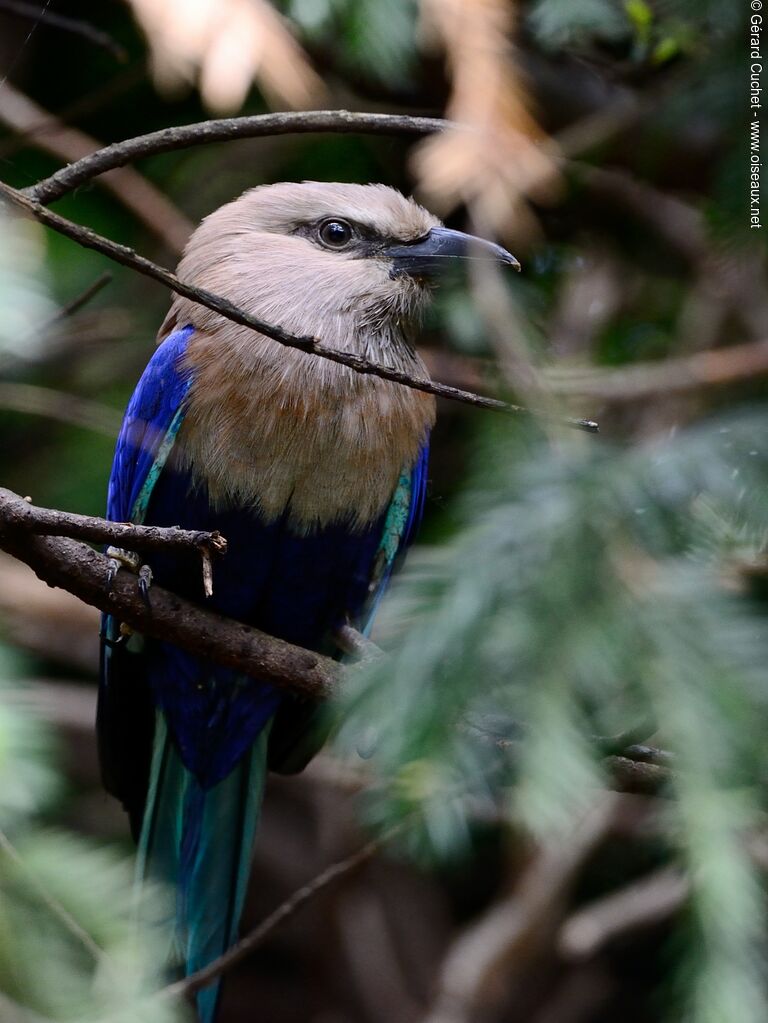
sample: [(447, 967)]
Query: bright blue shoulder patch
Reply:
[(150, 425)]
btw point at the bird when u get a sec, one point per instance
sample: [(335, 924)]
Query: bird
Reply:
[(314, 473)]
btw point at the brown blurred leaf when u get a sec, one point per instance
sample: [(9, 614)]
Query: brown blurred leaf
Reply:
[(504, 155), (224, 45)]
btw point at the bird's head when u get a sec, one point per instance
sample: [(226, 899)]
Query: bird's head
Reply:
[(344, 262)]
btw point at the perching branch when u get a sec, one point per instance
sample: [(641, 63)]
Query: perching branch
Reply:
[(127, 257), (16, 513), (76, 567), (356, 645)]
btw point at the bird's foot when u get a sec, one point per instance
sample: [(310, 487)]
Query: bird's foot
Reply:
[(120, 558)]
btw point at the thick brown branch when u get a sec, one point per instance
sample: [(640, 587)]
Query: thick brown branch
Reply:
[(17, 513), (76, 567), (637, 776), (182, 137), (356, 645), (122, 254)]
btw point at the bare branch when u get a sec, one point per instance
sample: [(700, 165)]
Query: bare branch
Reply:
[(634, 769), (638, 905), (641, 904), (76, 567), (127, 257), (76, 304), (476, 970), (98, 98), (119, 154), (716, 368), (18, 513), (244, 947), (357, 645), (681, 226), (636, 776), (720, 367), (148, 204)]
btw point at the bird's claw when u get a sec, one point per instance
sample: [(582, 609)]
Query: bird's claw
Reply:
[(119, 558), (145, 582), (112, 570)]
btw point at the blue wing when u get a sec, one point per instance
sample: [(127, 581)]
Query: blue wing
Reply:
[(125, 718), (150, 424)]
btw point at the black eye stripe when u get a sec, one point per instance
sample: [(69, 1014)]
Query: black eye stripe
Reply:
[(363, 240)]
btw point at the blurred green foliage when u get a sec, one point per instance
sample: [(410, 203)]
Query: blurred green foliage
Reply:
[(577, 587), (583, 596), (68, 948)]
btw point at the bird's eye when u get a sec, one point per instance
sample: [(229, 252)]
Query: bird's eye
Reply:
[(335, 233)]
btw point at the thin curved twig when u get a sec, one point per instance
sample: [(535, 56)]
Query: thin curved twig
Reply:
[(76, 304), (223, 130), (145, 200), (202, 978), (56, 908), (127, 257)]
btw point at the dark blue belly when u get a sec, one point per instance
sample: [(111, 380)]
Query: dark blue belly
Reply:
[(298, 588)]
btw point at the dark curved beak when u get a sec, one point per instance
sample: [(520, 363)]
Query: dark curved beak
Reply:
[(431, 256)]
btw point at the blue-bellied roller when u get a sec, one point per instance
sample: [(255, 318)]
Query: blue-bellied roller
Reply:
[(316, 476)]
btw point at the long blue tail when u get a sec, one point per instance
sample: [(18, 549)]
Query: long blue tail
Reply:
[(199, 841)]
